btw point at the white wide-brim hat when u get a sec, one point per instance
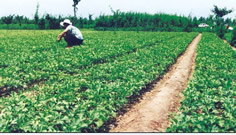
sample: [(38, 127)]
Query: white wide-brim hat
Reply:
[(67, 21)]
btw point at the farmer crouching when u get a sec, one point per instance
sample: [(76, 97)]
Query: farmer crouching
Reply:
[(71, 34)]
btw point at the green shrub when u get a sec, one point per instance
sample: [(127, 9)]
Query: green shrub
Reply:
[(233, 41), (220, 32)]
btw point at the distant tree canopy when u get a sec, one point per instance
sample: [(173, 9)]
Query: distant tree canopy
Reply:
[(36, 15), (74, 5), (130, 21), (19, 19), (7, 19), (221, 12), (150, 22), (118, 21)]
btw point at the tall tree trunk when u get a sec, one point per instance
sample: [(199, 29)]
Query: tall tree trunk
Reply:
[(75, 11)]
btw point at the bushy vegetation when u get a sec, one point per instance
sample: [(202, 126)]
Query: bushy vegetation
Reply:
[(142, 21), (233, 39), (220, 24), (118, 21)]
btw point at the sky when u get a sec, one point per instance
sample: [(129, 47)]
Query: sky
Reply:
[(196, 8)]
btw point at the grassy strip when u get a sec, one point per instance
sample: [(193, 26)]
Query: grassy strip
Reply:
[(209, 104)]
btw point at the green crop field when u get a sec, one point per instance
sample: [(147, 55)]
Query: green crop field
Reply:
[(47, 88), (209, 104)]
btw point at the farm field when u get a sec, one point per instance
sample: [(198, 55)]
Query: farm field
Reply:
[(47, 88), (34, 63), (209, 104)]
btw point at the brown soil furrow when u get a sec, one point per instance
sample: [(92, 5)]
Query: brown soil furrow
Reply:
[(6, 91), (152, 113)]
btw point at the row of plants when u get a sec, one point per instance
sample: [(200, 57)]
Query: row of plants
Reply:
[(209, 99), (24, 62), (92, 96)]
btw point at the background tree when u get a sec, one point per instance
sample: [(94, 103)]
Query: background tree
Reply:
[(195, 22), (52, 22), (74, 5), (219, 14), (7, 19), (36, 15), (90, 18), (19, 19), (42, 23)]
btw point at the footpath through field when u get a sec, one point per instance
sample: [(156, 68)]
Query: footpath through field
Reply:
[(152, 113)]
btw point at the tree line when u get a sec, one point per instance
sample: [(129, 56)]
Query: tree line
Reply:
[(117, 21), (122, 21), (127, 21)]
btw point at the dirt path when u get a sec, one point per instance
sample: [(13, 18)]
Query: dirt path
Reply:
[(152, 113), (234, 48)]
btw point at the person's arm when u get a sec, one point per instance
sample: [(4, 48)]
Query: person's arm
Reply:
[(62, 34)]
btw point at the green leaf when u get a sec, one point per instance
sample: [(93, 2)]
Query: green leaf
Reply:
[(221, 123), (99, 123)]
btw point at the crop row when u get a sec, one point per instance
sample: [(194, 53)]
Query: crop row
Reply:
[(209, 104), (29, 59), (84, 101)]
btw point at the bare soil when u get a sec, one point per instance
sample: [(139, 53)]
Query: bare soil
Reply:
[(152, 113)]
